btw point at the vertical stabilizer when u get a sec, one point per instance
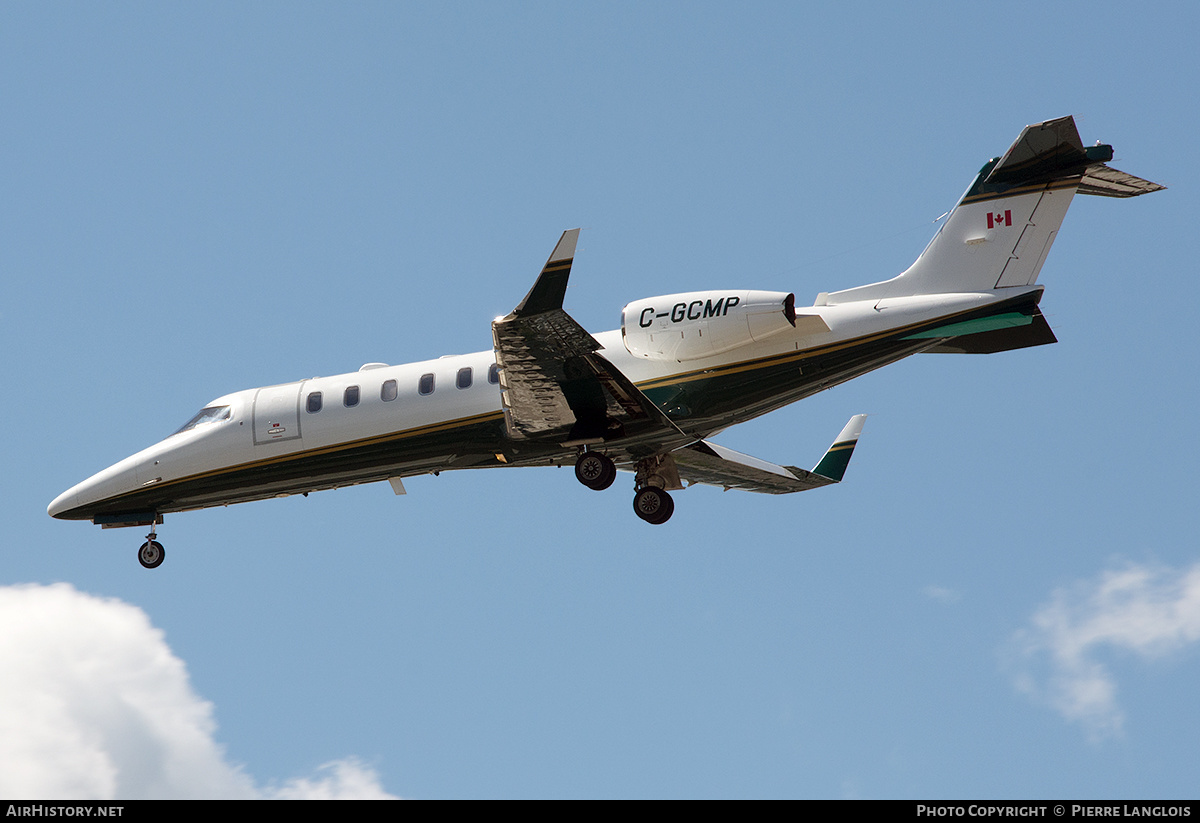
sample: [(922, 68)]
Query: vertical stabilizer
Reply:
[(999, 234)]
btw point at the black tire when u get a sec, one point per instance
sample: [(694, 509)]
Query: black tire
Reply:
[(653, 505), (151, 554), (595, 470)]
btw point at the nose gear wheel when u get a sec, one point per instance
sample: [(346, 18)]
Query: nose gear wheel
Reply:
[(151, 554)]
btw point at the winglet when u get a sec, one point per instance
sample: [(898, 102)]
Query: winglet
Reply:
[(551, 287), (833, 464)]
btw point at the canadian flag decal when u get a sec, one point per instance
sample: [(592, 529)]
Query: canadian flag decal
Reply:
[(997, 219)]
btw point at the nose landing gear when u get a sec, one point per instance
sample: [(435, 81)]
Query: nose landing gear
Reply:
[(151, 554)]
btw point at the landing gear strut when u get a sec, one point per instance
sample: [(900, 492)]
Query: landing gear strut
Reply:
[(654, 475), (595, 470), (151, 554)]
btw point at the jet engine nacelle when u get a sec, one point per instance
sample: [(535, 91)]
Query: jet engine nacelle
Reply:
[(703, 323)]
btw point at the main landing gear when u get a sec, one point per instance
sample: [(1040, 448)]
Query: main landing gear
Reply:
[(654, 505), (151, 554), (595, 470), (651, 501)]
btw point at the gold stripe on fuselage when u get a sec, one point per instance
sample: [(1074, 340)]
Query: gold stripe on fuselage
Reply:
[(685, 377), (790, 357)]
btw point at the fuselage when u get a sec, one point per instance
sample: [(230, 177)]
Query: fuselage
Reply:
[(645, 398), (383, 422)]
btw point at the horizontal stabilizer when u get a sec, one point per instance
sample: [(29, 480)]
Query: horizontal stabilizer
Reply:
[(1001, 231), (1108, 182), (1043, 152), (714, 465)]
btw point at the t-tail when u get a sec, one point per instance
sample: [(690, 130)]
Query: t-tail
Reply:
[(999, 234)]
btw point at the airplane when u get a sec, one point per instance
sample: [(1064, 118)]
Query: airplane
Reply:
[(644, 398)]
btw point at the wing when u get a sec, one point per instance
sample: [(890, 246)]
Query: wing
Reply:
[(555, 386), (714, 465)]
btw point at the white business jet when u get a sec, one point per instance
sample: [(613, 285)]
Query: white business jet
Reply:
[(643, 398)]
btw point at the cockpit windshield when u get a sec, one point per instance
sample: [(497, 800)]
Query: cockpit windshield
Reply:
[(213, 414)]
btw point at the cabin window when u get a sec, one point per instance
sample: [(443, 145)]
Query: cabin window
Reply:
[(350, 396), (463, 378), (425, 386), (313, 404), (494, 374), (388, 391)]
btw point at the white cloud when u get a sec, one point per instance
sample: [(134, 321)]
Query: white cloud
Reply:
[(942, 594), (339, 780), (94, 705), (1149, 611)]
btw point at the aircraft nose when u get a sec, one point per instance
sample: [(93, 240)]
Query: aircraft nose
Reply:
[(83, 500), (63, 503)]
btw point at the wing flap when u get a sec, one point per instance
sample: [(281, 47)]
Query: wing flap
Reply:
[(555, 385), (714, 465), (533, 353)]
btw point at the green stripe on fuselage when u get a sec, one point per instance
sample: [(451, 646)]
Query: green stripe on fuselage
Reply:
[(701, 401)]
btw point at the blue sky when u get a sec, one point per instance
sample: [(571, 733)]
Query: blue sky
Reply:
[(1002, 600)]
